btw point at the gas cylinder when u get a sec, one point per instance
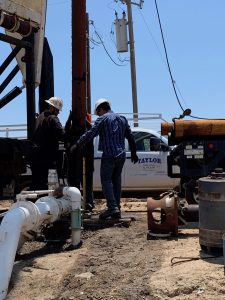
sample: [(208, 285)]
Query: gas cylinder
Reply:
[(212, 210)]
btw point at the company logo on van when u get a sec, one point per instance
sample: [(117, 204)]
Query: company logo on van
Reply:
[(154, 160)]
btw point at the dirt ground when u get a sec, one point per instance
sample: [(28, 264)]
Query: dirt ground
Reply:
[(119, 263)]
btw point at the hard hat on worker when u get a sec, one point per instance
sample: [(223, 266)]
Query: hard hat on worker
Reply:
[(99, 102), (56, 102)]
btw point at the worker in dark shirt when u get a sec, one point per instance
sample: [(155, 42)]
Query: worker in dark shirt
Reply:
[(47, 134), (112, 129)]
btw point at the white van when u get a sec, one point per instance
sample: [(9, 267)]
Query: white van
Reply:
[(150, 172)]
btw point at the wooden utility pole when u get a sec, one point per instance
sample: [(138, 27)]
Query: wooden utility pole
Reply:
[(88, 69), (80, 92), (79, 61), (132, 63)]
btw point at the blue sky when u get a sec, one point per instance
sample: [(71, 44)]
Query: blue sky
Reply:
[(195, 40)]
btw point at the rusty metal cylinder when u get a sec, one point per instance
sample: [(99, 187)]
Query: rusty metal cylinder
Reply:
[(14, 24), (166, 128), (24, 28), (9, 22), (162, 215), (187, 128), (212, 210)]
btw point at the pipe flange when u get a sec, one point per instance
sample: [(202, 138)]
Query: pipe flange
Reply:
[(64, 209), (32, 217), (54, 210)]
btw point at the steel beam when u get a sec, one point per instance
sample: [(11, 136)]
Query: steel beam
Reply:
[(14, 41)]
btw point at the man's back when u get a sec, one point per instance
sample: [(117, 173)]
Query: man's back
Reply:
[(112, 134), (112, 129), (48, 131)]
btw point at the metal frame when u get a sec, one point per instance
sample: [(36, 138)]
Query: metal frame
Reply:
[(28, 45)]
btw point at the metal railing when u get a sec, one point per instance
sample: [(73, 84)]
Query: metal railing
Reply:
[(12, 131), (145, 120)]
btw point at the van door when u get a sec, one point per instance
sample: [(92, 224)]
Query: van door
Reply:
[(150, 172), (97, 163)]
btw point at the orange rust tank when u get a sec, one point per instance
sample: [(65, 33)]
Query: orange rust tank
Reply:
[(162, 215), (188, 128)]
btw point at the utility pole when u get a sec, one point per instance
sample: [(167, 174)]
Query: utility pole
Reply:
[(88, 68), (132, 57), (79, 60), (132, 63), (79, 80)]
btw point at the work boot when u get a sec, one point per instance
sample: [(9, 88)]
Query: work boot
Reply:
[(113, 213), (116, 215)]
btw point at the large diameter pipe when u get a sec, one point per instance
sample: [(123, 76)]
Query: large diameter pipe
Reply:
[(10, 230), (24, 216), (187, 128), (166, 128)]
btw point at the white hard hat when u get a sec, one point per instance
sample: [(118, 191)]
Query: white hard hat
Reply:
[(56, 102), (99, 102)]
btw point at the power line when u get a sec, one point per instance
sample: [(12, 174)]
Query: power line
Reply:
[(167, 60), (155, 43), (102, 43), (172, 80), (149, 31)]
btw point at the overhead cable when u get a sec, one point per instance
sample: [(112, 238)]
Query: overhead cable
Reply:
[(98, 35), (167, 60), (172, 80)]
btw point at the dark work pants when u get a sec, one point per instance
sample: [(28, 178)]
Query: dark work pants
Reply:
[(111, 169), (74, 167), (39, 171), (41, 160)]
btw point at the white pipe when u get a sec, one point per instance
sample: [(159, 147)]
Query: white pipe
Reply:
[(24, 216), (10, 229), (39, 192), (50, 208), (31, 194), (75, 197), (21, 197)]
